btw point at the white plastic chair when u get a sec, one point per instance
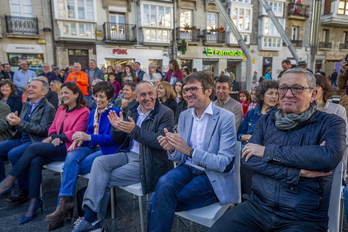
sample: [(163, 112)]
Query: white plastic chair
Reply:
[(208, 215), (136, 189), (335, 209), (57, 166)]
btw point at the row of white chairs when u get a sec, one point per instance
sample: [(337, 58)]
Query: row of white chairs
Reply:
[(208, 215)]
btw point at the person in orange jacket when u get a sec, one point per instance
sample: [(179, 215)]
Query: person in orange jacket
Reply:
[(80, 78)]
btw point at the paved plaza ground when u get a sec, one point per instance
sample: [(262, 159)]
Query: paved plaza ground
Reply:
[(127, 211)]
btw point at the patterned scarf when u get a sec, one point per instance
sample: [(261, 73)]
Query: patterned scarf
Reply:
[(97, 116), (290, 121)]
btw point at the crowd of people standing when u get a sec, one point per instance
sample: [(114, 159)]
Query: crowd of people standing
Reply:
[(125, 126)]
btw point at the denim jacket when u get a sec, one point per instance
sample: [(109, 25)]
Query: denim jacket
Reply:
[(250, 121)]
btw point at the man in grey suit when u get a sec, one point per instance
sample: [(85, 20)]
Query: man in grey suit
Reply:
[(204, 149)]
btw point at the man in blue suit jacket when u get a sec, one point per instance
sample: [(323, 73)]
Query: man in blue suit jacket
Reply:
[(204, 149)]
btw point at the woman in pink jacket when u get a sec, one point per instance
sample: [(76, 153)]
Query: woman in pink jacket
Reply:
[(70, 117)]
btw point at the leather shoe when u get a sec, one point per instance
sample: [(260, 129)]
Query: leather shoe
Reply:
[(18, 198)]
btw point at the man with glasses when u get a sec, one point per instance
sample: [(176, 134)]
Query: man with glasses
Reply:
[(223, 89), (140, 158), (293, 152), (22, 77), (6, 73), (204, 151)]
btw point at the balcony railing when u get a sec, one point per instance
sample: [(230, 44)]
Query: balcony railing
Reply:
[(343, 45), (325, 45), (189, 35), (213, 36), (120, 32), (300, 10), (21, 25), (297, 43)]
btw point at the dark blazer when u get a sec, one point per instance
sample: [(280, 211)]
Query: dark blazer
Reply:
[(171, 104), (6, 75), (98, 74), (40, 121), (52, 97), (152, 157), (15, 103)]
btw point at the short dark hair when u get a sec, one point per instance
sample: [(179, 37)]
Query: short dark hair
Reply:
[(137, 62), (106, 87), (262, 88), (205, 80), (323, 82), (130, 84), (12, 86), (286, 62), (80, 100), (224, 78)]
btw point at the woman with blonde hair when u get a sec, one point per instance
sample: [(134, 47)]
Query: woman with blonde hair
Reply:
[(56, 86), (166, 95)]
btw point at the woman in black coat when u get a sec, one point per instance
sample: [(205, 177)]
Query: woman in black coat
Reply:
[(9, 96)]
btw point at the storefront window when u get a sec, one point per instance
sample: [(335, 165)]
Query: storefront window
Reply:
[(187, 64), (34, 61)]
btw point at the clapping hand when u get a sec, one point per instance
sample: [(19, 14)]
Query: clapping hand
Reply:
[(114, 119)]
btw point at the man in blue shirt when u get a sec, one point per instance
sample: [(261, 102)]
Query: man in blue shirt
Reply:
[(22, 77)]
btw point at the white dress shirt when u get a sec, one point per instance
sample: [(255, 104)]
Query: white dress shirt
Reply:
[(199, 127)]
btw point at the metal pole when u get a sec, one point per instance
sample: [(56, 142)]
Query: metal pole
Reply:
[(280, 29), (315, 32), (240, 40)]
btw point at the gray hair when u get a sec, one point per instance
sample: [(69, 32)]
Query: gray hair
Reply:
[(311, 81), (93, 60), (45, 85)]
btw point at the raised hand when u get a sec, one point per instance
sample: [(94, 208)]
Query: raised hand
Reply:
[(114, 119), (126, 126)]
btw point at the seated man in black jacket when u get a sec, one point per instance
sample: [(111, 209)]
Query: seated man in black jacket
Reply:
[(293, 152), (140, 158), (31, 126)]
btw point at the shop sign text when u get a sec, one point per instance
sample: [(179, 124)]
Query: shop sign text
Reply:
[(119, 51), (218, 52)]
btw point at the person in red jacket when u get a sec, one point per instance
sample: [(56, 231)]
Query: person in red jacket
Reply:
[(81, 78), (174, 73), (244, 99)]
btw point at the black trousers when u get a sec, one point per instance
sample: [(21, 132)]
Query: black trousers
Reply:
[(249, 217)]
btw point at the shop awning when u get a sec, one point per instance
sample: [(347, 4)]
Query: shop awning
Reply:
[(24, 48), (334, 58)]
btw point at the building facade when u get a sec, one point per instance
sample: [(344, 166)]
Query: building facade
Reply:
[(63, 32), (25, 33)]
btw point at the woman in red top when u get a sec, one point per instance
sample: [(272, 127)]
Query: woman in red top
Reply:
[(71, 117), (244, 99), (174, 73)]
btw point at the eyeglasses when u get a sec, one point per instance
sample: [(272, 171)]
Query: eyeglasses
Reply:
[(295, 90), (192, 90), (222, 88)]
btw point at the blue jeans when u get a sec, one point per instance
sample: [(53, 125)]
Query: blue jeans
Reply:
[(14, 149), (78, 161), (345, 201), (182, 188), (33, 159)]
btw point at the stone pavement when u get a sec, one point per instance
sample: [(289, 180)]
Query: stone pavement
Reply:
[(127, 211)]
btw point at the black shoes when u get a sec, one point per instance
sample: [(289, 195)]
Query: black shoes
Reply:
[(18, 198)]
